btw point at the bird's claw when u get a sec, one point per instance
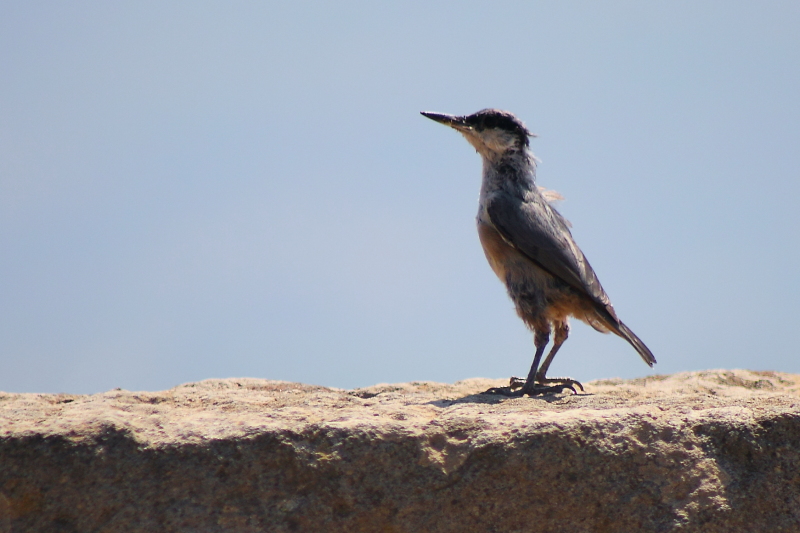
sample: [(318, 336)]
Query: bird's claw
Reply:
[(515, 382), (536, 390), (569, 382), (516, 387)]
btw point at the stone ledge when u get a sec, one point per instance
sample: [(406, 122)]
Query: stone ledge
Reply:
[(699, 451)]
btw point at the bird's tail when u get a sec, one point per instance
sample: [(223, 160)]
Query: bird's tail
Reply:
[(625, 332)]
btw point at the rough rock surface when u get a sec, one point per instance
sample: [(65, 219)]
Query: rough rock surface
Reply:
[(715, 451)]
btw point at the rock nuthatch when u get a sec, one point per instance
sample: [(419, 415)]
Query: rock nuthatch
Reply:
[(530, 248)]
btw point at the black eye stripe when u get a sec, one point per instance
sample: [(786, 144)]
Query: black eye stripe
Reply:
[(496, 119), (491, 118), (500, 122)]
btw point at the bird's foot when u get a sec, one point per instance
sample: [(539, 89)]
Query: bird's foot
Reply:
[(517, 389), (569, 382), (515, 382)]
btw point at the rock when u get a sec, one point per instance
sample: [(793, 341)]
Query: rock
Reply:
[(715, 451)]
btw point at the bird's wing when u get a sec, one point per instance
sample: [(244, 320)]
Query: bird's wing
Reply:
[(539, 232)]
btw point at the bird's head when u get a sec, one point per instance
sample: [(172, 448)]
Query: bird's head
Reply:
[(492, 132)]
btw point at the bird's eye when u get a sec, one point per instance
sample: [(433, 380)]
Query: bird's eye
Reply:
[(490, 122)]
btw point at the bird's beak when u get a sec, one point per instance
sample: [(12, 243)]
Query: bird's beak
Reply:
[(448, 120)]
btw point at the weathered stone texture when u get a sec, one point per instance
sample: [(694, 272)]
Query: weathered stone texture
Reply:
[(714, 451)]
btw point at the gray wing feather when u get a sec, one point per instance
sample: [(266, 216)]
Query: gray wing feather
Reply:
[(539, 232)]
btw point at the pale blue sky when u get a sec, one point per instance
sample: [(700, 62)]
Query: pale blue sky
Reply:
[(199, 190)]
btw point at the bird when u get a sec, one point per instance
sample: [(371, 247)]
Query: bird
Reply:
[(529, 246)]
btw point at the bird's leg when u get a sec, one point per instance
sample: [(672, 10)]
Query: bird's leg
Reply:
[(529, 387), (561, 334), (540, 339)]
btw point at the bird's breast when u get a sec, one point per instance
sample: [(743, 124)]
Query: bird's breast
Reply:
[(498, 252)]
